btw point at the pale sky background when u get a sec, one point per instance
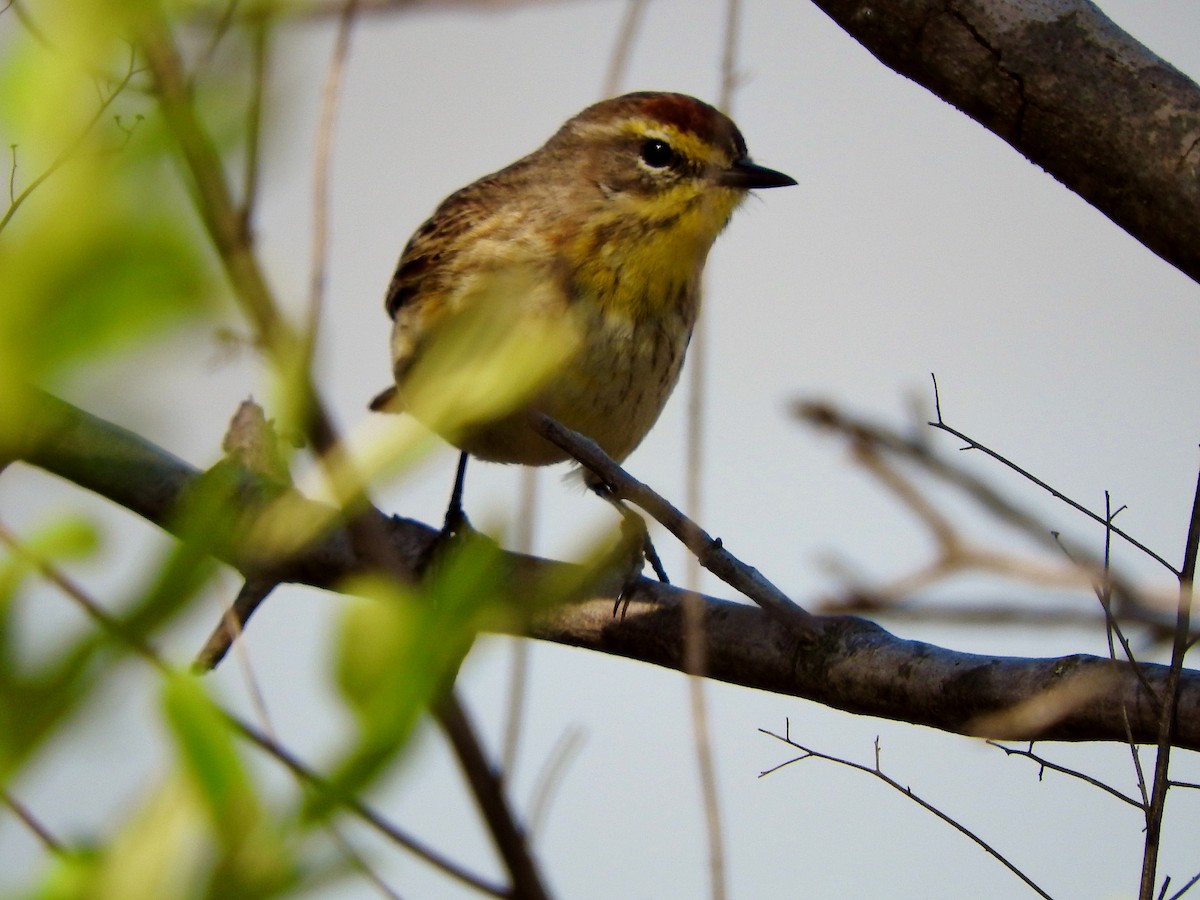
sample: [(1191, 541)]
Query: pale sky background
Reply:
[(916, 242)]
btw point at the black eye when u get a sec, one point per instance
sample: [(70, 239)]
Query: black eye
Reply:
[(658, 154)]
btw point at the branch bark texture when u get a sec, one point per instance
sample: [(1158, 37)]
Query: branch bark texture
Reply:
[(853, 665), (1065, 87)]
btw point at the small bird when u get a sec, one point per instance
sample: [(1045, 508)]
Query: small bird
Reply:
[(593, 245)]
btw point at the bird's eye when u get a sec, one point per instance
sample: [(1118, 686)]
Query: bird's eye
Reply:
[(658, 154)]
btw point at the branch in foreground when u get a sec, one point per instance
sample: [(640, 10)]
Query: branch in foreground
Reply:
[(854, 665)]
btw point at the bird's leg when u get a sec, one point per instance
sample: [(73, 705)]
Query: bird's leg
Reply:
[(455, 525), (639, 550), (635, 537), (456, 520)]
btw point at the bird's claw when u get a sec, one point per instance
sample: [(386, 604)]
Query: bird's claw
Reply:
[(635, 550)]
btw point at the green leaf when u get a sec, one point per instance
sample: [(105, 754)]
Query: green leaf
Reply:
[(400, 647), (206, 749)]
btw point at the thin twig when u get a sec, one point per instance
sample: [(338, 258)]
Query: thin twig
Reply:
[(877, 772), (695, 648), (1112, 627), (518, 681), (29, 820), (221, 26), (253, 592), (1187, 887), (130, 73), (26, 20), (251, 170), (618, 61), (1103, 591), (488, 790), (565, 749), (364, 812), (1170, 704), (70, 588), (823, 415), (321, 173), (710, 551), (729, 70), (972, 444), (1064, 770)]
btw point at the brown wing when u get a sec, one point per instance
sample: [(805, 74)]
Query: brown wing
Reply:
[(421, 265)]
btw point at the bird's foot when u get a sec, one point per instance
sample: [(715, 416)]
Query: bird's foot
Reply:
[(635, 550)]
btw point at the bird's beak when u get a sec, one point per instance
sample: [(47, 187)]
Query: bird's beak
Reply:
[(747, 175)]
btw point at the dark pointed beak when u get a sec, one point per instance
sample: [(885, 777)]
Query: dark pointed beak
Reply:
[(748, 176)]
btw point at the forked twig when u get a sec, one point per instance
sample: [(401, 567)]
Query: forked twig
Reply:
[(1044, 763), (59, 161), (877, 772), (971, 444)]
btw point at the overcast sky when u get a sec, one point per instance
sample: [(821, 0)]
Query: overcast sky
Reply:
[(916, 242)]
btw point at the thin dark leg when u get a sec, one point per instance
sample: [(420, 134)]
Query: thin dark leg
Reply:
[(637, 536), (655, 562), (455, 518)]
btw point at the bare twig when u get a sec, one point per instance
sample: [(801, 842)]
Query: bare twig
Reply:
[(565, 749), (71, 149), (971, 444), (253, 592), (730, 76), (321, 172), (1113, 628), (518, 682), (70, 588), (1044, 763), (1187, 887), (261, 32), (870, 434), (363, 811), (488, 790), (695, 649), (1170, 706), (708, 550), (877, 772), (36, 827), (618, 61)]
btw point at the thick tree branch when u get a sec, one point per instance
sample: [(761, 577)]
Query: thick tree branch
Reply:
[(853, 665), (1068, 89)]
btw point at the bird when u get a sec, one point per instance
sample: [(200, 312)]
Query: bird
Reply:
[(592, 247)]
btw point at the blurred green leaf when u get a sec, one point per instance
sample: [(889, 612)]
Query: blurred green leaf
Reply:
[(33, 700), (105, 251), (400, 647), (207, 751)]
